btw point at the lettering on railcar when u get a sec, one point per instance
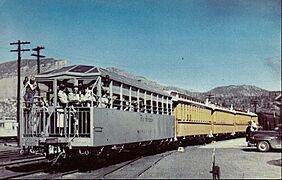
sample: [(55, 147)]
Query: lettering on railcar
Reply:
[(146, 118)]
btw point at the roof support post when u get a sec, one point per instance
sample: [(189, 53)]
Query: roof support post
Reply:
[(157, 104), (130, 98), (121, 97), (162, 105), (99, 92), (111, 93), (145, 103), (138, 96), (167, 106), (152, 103)]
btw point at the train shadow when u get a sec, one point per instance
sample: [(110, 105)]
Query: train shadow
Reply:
[(28, 167), (277, 162), (254, 149)]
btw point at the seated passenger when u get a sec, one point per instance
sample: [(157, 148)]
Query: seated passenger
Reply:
[(74, 98), (88, 97), (126, 105), (134, 105), (105, 99), (141, 106)]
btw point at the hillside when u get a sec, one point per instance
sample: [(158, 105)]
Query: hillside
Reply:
[(8, 74), (241, 96), (8, 80)]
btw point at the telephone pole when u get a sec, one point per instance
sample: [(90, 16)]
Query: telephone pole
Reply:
[(37, 49), (19, 50), (209, 96), (255, 102)]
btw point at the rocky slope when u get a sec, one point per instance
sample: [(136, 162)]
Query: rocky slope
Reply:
[(242, 97), (8, 80)]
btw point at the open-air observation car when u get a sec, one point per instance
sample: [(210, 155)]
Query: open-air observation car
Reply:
[(106, 110)]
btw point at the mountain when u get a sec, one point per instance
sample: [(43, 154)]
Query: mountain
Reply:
[(8, 80), (8, 73), (135, 77), (239, 90), (242, 97)]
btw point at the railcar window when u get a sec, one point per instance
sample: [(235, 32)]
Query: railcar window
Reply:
[(46, 96), (160, 109), (148, 106), (165, 109), (155, 110), (125, 103), (134, 104), (141, 105), (116, 101)]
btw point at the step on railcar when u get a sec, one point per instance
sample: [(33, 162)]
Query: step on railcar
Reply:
[(113, 113)]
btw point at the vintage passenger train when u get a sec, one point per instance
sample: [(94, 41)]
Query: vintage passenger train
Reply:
[(116, 113)]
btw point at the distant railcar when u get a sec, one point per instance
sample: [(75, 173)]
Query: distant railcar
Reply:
[(268, 121), (8, 128), (198, 119), (191, 116)]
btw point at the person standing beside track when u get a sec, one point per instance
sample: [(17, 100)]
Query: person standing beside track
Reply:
[(248, 133), (251, 127)]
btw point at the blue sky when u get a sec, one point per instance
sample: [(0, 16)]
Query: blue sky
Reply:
[(192, 44)]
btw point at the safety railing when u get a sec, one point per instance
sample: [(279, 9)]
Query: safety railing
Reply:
[(56, 122)]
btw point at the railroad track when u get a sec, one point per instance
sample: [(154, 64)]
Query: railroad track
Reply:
[(9, 153), (23, 167), (119, 170), (100, 173), (22, 161)]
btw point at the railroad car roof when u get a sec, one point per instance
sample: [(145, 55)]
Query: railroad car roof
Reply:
[(90, 71), (189, 99)]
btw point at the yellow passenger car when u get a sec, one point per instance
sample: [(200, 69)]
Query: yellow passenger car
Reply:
[(195, 118), (223, 121), (192, 117)]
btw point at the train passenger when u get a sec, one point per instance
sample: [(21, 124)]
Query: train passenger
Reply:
[(62, 96), (88, 97), (126, 105), (105, 99), (30, 88), (49, 97), (134, 105), (74, 97), (141, 106), (63, 101), (81, 93)]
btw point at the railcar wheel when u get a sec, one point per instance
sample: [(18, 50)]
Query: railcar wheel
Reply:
[(263, 146)]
